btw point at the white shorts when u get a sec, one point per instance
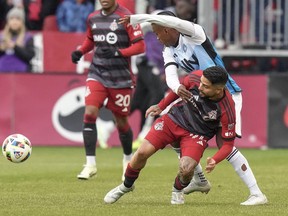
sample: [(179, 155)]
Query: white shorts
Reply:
[(237, 98)]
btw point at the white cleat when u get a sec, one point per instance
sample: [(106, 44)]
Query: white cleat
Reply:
[(125, 164), (177, 197), (87, 172), (258, 199), (194, 187), (113, 195)]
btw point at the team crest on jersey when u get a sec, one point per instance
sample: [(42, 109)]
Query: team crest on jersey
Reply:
[(212, 114), (114, 25), (136, 26), (230, 126), (159, 126)]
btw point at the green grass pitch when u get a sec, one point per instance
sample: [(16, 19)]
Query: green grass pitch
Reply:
[(46, 184)]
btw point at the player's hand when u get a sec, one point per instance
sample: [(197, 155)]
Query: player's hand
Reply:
[(76, 56), (153, 110), (183, 93), (211, 163), (124, 20), (110, 52)]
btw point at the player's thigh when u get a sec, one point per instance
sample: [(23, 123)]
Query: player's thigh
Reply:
[(95, 94), (160, 133), (193, 146), (119, 101)]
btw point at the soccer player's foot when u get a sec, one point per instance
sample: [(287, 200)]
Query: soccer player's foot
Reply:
[(258, 199), (177, 197), (125, 164), (113, 195), (87, 172), (195, 186)]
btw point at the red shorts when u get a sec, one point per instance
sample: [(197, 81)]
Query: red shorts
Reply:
[(164, 131), (119, 100)]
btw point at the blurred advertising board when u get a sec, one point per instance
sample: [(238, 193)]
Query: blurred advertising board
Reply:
[(48, 109), (278, 111)]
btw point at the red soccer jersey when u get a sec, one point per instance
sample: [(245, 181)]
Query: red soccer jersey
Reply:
[(104, 32), (203, 116)]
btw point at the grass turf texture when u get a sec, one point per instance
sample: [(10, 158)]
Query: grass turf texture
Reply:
[(46, 184)]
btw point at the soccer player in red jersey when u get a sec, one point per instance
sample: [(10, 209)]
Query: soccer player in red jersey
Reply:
[(187, 46), (109, 76), (192, 124)]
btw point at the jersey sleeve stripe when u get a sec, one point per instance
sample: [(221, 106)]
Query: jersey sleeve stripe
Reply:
[(170, 63), (194, 78), (137, 39), (230, 114)]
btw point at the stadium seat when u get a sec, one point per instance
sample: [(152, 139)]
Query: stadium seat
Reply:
[(50, 23)]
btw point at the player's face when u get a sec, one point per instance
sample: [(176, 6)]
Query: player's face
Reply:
[(163, 35), (206, 89), (107, 4)]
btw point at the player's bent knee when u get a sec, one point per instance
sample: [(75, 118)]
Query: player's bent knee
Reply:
[(186, 168)]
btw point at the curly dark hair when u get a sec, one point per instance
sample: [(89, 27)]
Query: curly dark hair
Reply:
[(216, 75)]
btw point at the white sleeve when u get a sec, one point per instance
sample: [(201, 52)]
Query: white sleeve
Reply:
[(167, 56), (183, 26), (171, 73), (172, 79)]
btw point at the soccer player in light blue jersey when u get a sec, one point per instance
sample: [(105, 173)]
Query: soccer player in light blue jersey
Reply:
[(188, 47)]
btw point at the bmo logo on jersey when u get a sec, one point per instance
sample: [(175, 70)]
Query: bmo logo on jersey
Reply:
[(111, 38), (98, 38)]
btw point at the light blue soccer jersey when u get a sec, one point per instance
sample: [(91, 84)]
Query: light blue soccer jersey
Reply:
[(194, 50), (191, 56)]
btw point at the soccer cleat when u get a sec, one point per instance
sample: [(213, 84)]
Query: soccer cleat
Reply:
[(258, 199), (87, 172), (125, 164), (113, 195), (177, 197), (201, 187)]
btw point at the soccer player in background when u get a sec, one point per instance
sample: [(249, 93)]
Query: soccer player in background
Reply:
[(192, 123), (187, 46), (109, 76)]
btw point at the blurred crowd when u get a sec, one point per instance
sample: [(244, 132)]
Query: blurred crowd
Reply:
[(16, 43)]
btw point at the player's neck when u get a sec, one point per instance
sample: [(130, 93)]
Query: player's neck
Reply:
[(177, 41), (107, 11)]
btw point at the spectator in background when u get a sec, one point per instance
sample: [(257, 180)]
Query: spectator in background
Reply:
[(5, 6), (37, 10), (185, 9), (16, 45), (72, 15)]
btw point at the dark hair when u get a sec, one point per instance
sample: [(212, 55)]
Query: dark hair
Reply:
[(216, 75), (169, 13)]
